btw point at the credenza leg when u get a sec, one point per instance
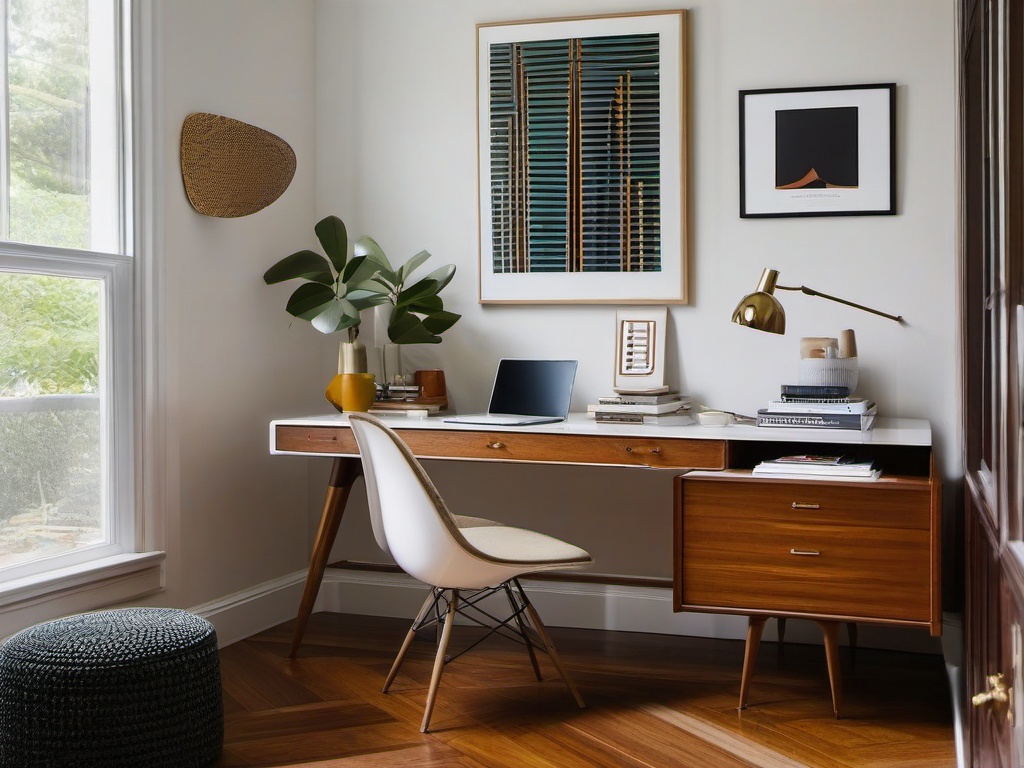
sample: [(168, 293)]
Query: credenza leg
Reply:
[(343, 474), (830, 629), (755, 626)]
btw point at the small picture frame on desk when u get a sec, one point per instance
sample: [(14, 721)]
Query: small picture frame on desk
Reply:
[(825, 151)]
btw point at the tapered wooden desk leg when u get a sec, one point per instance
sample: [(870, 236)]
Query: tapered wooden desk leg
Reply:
[(343, 474), (755, 627), (831, 631)]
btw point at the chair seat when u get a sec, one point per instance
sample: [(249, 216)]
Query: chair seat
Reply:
[(513, 546)]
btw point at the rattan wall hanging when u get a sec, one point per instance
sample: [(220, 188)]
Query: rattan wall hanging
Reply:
[(231, 168)]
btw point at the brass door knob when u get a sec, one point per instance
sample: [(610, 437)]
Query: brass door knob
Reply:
[(996, 697)]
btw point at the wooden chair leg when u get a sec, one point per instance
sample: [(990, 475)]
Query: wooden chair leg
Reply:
[(830, 629), (538, 625), (442, 649), (755, 626), (410, 635)]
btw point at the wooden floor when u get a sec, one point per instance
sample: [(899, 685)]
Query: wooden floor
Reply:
[(653, 700)]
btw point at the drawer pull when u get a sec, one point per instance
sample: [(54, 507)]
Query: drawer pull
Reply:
[(804, 505), (313, 438), (805, 552), (654, 451), (496, 445)]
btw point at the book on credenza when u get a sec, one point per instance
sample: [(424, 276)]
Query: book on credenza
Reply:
[(404, 408), (650, 408), (810, 405), (859, 421), (814, 391), (822, 466), (668, 397), (681, 418)]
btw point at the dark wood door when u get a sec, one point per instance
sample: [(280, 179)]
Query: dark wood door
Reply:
[(992, 86)]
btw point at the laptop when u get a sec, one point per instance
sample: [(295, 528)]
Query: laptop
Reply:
[(526, 392)]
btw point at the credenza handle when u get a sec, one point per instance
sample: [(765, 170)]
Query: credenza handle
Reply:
[(496, 445), (805, 505), (316, 438), (805, 552), (631, 449)]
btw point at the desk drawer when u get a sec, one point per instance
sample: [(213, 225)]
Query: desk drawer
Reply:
[(844, 549), (521, 446)]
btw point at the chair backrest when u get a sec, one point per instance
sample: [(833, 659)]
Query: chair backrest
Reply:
[(414, 523)]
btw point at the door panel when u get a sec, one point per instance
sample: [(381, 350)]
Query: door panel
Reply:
[(992, 214)]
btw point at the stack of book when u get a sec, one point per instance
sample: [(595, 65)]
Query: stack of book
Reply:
[(821, 466), (812, 406), (408, 408), (669, 408)]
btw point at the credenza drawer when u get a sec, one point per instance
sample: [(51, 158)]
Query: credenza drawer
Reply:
[(519, 446), (852, 550)]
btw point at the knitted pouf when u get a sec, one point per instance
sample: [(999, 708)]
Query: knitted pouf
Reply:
[(136, 687)]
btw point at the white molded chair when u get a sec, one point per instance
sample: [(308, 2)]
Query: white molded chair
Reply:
[(454, 554)]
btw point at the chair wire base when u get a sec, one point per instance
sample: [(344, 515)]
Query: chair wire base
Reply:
[(522, 625)]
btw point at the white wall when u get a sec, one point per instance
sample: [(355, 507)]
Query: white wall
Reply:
[(378, 99), (231, 357), (396, 142)]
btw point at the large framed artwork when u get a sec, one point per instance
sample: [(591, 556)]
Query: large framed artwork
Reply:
[(582, 140), (827, 151)]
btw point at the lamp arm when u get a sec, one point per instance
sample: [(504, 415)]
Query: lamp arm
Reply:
[(811, 292)]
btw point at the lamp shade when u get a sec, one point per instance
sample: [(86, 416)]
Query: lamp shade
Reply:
[(760, 309)]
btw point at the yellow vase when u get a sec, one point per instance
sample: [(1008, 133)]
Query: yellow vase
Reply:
[(352, 392)]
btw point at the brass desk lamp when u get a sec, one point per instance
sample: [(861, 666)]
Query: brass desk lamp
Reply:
[(761, 310)]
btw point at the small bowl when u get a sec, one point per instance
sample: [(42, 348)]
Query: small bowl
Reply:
[(714, 418)]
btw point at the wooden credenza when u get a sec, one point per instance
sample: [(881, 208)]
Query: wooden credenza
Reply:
[(837, 552)]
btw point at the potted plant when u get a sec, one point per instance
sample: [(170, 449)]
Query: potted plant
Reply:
[(339, 287)]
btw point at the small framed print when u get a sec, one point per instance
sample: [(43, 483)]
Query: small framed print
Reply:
[(826, 151)]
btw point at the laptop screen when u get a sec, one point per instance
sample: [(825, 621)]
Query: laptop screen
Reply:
[(533, 387)]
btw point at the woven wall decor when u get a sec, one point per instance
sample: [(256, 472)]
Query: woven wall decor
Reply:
[(231, 168)]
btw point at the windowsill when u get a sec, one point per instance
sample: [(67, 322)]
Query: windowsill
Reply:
[(83, 587)]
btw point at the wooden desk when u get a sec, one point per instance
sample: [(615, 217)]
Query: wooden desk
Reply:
[(877, 543)]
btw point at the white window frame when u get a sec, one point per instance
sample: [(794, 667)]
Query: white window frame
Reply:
[(131, 565)]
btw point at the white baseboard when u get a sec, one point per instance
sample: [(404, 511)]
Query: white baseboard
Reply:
[(250, 611), (595, 606)]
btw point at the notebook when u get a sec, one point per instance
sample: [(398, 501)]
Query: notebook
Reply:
[(526, 392)]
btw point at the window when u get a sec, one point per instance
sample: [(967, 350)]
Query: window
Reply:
[(66, 286)]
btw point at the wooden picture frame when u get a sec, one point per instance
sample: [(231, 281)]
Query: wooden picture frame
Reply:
[(582, 137), (826, 151)]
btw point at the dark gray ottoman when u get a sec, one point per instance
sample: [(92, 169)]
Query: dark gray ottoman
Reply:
[(134, 687)]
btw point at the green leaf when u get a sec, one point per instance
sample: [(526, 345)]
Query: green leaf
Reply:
[(360, 270), (309, 300), (439, 322), (418, 292), (372, 285), (409, 329), (428, 305), (307, 265), (339, 314), (333, 237), (412, 264), (363, 299), (367, 246), (443, 276)]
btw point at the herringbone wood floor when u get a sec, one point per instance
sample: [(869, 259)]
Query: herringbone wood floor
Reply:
[(653, 700)]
